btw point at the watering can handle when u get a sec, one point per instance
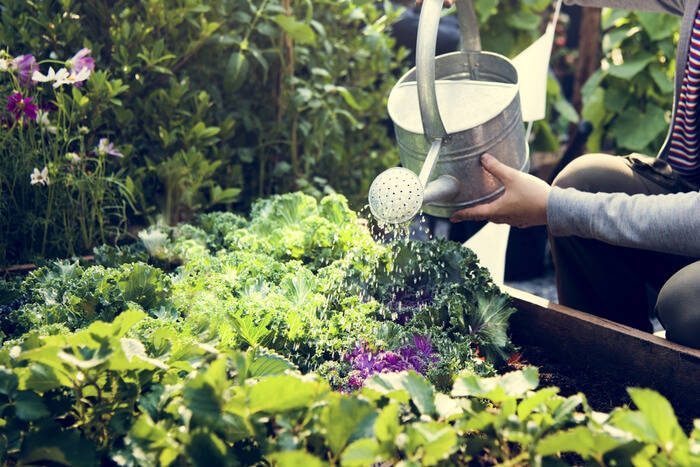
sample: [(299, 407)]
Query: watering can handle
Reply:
[(433, 126)]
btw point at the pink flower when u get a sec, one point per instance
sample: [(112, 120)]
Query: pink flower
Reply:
[(26, 65), (19, 106), (104, 147), (81, 61)]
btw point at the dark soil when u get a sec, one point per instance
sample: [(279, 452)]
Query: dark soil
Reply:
[(603, 389)]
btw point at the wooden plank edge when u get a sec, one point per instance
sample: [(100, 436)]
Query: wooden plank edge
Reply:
[(583, 340), (31, 266), (526, 299)]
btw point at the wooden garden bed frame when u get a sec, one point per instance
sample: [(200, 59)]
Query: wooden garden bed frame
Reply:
[(583, 340)]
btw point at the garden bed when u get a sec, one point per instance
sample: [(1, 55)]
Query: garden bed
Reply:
[(294, 338), (577, 351)]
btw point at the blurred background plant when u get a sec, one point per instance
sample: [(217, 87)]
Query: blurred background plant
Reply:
[(60, 192), (229, 100), (221, 102), (629, 100)]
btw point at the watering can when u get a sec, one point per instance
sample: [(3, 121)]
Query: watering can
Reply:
[(447, 112)]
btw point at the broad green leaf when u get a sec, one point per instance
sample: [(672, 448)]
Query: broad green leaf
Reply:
[(386, 427), (54, 445), (206, 449), (526, 407), (537, 5), (591, 86), (295, 459), (29, 406), (635, 130), (564, 411), (580, 440), (448, 408), (485, 9), (348, 97), (8, 381), (637, 424), (477, 422), (616, 99), (361, 452), (281, 393), (236, 72), (438, 440), (661, 416), (421, 391), (41, 377), (658, 25), (594, 111), (613, 38), (298, 31), (134, 357), (613, 17), (661, 78), (268, 364), (120, 326), (201, 398), (497, 388), (524, 20), (566, 110), (343, 417), (629, 68)]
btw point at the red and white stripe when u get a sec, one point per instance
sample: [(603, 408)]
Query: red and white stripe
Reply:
[(683, 154)]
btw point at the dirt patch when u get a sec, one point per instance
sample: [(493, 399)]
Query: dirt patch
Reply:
[(604, 390)]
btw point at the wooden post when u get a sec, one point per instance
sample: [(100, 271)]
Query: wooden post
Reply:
[(588, 51)]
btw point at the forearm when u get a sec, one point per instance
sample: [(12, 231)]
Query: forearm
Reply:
[(674, 7), (666, 223)]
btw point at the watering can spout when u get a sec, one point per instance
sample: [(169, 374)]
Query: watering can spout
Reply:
[(442, 189)]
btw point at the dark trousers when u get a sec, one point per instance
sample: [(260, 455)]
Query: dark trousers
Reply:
[(620, 283)]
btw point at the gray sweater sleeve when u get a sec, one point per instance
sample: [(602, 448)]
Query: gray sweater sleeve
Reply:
[(667, 223), (675, 7)]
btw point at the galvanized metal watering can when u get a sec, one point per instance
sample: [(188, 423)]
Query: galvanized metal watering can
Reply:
[(447, 112)]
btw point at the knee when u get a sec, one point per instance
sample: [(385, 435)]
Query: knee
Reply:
[(586, 173), (678, 306)]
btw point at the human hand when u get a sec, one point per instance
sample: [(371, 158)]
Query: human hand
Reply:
[(523, 204)]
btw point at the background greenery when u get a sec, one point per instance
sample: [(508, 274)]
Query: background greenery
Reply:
[(225, 101), (629, 100)]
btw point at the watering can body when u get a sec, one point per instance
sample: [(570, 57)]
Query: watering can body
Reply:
[(500, 132)]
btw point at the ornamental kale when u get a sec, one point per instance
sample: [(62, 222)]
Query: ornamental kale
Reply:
[(365, 362), (303, 277)]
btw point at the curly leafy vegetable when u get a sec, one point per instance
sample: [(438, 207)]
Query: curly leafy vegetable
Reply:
[(188, 348)]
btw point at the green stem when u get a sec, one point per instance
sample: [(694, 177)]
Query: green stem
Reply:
[(46, 221)]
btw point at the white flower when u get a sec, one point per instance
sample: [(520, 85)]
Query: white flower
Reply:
[(6, 64), (73, 157), (50, 76), (41, 178), (71, 78), (42, 118), (61, 77)]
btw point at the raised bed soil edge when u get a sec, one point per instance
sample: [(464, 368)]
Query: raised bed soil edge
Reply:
[(581, 352)]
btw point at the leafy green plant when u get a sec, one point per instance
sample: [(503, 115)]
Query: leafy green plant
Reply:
[(208, 364), (630, 98), (303, 278), (100, 395)]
